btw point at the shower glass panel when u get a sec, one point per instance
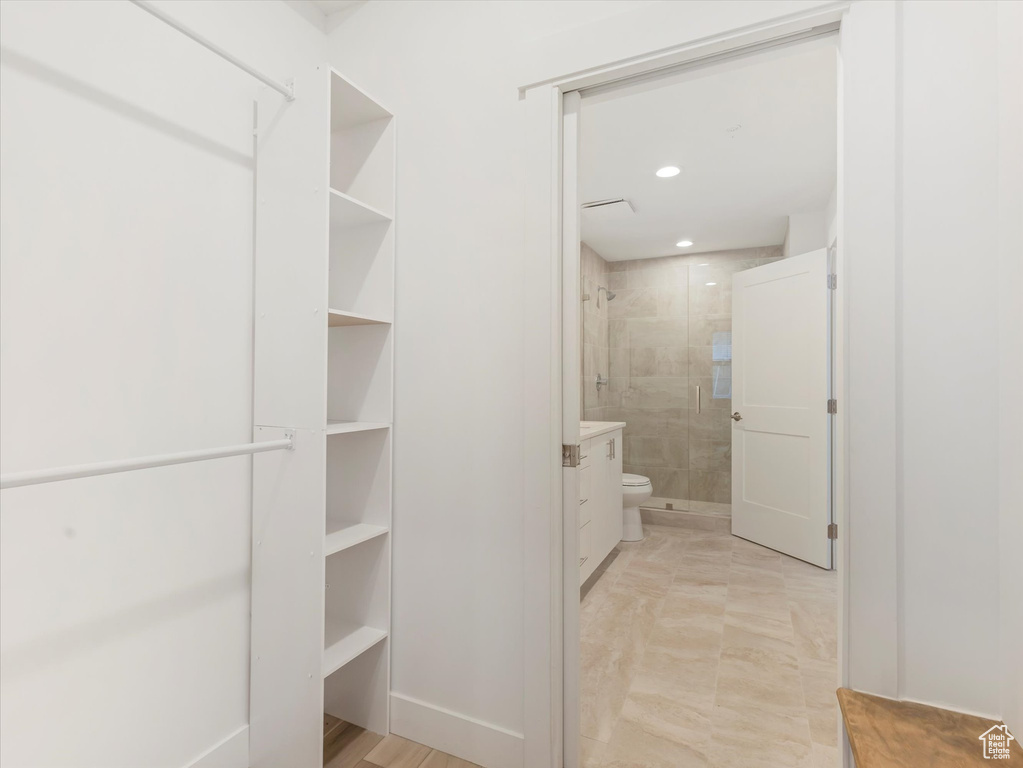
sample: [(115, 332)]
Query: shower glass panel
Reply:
[(594, 336), (669, 365)]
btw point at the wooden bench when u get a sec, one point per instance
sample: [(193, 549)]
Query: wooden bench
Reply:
[(901, 734)]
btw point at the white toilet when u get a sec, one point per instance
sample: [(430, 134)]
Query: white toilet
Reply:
[(635, 490)]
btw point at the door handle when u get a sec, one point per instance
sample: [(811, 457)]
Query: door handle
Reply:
[(736, 416)]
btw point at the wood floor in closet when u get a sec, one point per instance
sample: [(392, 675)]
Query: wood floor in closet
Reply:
[(349, 746)]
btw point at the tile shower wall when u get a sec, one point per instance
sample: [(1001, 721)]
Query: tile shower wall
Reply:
[(594, 335), (670, 337)]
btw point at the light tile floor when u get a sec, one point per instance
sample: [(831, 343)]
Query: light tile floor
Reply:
[(702, 649)]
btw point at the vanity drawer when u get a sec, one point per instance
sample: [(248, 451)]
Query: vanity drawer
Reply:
[(585, 487), (586, 453), (584, 544)]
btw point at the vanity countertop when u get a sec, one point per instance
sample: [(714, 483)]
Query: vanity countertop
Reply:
[(588, 429)]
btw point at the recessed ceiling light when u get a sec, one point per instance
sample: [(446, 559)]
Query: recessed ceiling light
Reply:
[(668, 171), (683, 243), (710, 283)]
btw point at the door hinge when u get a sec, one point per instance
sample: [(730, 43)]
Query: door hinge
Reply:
[(832, 530), (832, 281), (832, 406), (570, 455)]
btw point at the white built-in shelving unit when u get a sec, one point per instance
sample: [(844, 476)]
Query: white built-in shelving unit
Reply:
[(324, 365), (360, 396)]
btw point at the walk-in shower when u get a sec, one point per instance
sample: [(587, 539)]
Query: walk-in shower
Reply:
[(662, 357)]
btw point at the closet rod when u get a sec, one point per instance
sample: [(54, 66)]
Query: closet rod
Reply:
[(17, 479), (287, 90)]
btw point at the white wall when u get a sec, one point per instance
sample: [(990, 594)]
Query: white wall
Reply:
[(126, 330), (1010, 329), (812, 230), (949, 415), (806, 232), (868, 287), (464, 302), (831, 216)]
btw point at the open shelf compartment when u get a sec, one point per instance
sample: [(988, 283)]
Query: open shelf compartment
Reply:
[(350, 106), (361, 147), (357, 602), (361, 278), (358, 691), (359, 373), (347, 212), (358, 483)]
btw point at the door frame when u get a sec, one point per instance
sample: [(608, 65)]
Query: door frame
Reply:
[(548, 659)]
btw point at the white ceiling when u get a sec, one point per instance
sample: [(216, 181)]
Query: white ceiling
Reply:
[(333, 6), (738, 184)]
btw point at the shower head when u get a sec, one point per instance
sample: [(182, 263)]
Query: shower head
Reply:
[(607, 291)]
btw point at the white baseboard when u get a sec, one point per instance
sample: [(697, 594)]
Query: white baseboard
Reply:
[(483, 743), (231, 752)]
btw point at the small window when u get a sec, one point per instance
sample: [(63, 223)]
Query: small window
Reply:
[(722, 346), (721, 355), (722, 389)]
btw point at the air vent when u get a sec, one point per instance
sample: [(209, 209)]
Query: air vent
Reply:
[(618, 209)]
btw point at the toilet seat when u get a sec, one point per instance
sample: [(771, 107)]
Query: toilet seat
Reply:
[(634, 481)]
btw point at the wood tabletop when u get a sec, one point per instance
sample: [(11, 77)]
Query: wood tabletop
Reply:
[(902, 734)]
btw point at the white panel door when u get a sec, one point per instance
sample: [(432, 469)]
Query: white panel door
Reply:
[(780, 428)]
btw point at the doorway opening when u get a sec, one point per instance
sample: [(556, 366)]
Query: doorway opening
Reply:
[(702, 207)]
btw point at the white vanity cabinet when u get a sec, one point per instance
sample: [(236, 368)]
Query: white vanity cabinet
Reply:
[(600, 494)]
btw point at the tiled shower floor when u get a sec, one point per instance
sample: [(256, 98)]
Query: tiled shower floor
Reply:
[(705, 515), (702, 649), (689, 505)]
